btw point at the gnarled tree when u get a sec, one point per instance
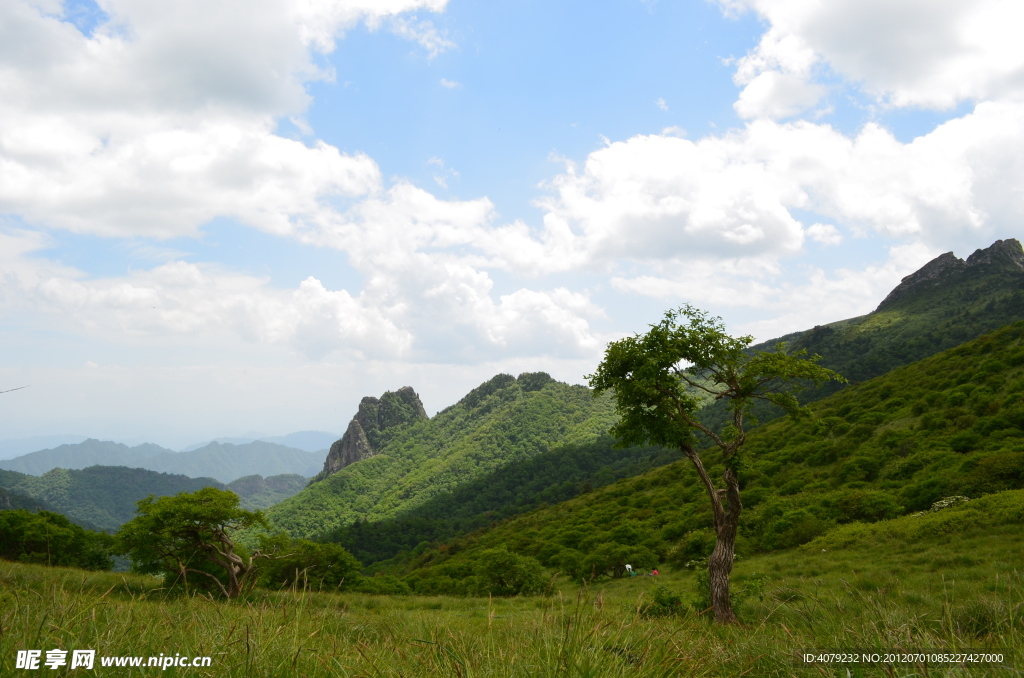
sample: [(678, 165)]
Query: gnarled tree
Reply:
[(190, 534), (661, 380)]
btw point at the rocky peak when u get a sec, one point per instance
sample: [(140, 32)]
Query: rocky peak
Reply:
[(369, 429), (1003, 253)]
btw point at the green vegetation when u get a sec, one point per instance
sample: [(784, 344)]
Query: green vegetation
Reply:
[(950, 589), (655, 380), (952, 424), (960, 305), (257, 492), (191, 534), (518, 487), (51, 539), (99, 496), (505, 420)]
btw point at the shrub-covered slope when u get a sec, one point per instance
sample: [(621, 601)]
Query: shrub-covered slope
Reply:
[(502, 421), (952, 424), (548, 478), (942, 305)]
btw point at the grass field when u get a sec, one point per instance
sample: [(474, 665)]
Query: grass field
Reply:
[(878, 592)]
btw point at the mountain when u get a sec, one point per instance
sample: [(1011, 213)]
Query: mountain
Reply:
[(308, 441), (15, 447), (223, 461), (372, 427), (227, 462), (504, 420), (89, 452), (102, 496), (257, 492), (946, 302), (951, 424)]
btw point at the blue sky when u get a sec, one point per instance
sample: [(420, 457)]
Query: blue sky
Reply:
[(243, 217)]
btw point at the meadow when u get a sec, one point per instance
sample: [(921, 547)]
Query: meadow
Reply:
[(937, 583)]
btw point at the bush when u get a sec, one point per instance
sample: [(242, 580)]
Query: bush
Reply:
[(666, 603), (302, 563), (503, 573)]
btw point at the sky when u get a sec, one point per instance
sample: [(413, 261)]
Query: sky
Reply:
[(240, 217)]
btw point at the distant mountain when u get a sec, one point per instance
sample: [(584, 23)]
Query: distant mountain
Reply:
[(104, 497), (408, 459), (15, 447), (309, 441), (946, 302), (224, 462), (257, 492), (90, 452)]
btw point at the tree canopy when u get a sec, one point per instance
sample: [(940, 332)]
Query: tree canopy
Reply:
[(662, 379), (190, 534)]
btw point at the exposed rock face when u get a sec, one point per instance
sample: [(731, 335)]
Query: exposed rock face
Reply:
[(369, 428), (1003, 253)]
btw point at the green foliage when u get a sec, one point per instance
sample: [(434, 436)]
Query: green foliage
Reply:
[(801, 480), (503, 573), (103, 496), (515, 488), (302, 563), (931, 319), (499, 423), (190, 533), (49, 538)]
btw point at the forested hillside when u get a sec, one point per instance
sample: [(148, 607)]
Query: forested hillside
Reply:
[(952, 424), (945, 303), (502, 421), (104, 497)]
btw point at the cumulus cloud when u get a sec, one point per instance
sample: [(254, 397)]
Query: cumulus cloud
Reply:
[(665, 200), (910, 53)]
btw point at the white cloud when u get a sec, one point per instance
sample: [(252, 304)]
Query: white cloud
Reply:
[(669, 201), (422, 32), (911, 53), (826, 234), (660, 103), (450, 84)]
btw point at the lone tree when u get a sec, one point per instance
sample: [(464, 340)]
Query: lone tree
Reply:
[(661, 380), (190, 533)]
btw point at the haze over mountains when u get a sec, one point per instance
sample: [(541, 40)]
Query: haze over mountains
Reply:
[(224, 462)]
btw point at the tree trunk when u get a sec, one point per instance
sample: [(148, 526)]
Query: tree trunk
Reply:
[(719, 569)]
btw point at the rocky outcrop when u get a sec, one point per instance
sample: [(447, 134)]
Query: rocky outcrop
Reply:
[(370, 428), (1002, 253)]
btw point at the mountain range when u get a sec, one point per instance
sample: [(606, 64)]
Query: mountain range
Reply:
[(224, 462), (383, 487)]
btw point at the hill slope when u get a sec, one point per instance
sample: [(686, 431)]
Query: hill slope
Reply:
[(945, 303), (223, 461), (952, 424), (502, 421)]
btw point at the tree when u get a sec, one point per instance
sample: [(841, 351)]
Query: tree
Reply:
[(51, 539), (190, 533), (661, 380), (300, 562), (504, 573)]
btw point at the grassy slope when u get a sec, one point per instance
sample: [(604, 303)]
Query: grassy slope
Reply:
[(952, 584), (498, 423), (874, 450)]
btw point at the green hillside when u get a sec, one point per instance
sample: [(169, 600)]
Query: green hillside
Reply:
[(547, 478), (257, 492), (952, 424), (942, 305), (100, 496), (504, 420)]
